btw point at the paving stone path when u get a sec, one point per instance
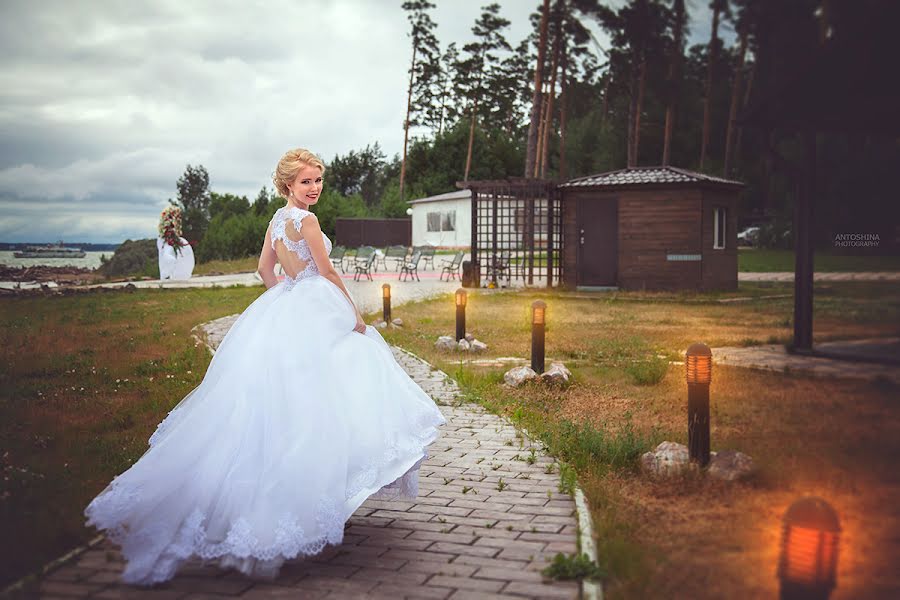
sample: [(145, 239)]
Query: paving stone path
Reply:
[(489, 516)]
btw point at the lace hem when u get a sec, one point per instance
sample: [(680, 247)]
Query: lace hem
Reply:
[(153, 559)]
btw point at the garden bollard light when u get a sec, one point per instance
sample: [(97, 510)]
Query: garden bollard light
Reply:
[(698, 361), (386, 300), (460, 314), (809, 550), (538, 318)]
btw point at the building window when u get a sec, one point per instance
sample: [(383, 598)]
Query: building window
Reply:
[(441, 221), (720, 219)]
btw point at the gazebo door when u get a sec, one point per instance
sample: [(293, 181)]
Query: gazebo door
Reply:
[(598, 231)]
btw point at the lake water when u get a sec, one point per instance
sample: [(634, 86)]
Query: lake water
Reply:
[(91, 260)]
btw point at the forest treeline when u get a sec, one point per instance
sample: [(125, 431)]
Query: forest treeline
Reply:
[(559, 104)]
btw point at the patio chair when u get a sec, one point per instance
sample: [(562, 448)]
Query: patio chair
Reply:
[(395, 253), (363, 265), (337, 257), (500, 266), (428, 255), (451, 267), (350, 257), (410, 267), (365, 251)]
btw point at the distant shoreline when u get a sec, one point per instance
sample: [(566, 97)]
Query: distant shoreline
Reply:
[(86, 246)]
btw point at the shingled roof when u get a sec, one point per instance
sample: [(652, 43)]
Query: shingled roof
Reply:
[(648, 176)]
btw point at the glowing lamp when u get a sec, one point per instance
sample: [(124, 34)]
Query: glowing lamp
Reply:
[(538, 321), (698, 360), (386, 301), (461, 299), (809, 550)]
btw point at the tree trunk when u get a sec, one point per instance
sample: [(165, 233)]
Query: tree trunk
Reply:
[(539, 149), (548, 125), (707, 100), (632, 109), (534, 124), (674, 81), (642, 83), (746, 101), (471, 138), (735, 101), (412, 71), (605, 108), (562, 114)]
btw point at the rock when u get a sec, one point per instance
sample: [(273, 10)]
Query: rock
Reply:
[(445, 342), (669, 458), (130, 287), (557, 374), (398, 322), (518, 375), (469, 337), (382, 325), (730, 465), (477, 346), (463, 345)]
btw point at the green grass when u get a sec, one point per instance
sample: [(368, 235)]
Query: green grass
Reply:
[(84, 382), (761, 260)]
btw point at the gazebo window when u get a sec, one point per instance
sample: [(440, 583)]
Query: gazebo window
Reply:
[(719, 223)]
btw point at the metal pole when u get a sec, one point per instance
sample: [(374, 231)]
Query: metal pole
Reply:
[(698, 423)]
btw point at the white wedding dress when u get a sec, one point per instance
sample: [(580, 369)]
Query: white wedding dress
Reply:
[(297, 421)]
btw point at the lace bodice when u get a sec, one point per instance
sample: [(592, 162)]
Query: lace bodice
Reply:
[(300, 247)]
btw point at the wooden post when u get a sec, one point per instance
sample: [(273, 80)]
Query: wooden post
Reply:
[(803, 248)]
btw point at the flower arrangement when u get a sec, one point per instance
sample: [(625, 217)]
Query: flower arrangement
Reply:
[(170, 227)]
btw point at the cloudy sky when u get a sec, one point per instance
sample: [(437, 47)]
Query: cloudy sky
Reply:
[(103, 103)]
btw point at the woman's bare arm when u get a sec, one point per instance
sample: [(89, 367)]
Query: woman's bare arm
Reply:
[(267, 260), (312, 233)]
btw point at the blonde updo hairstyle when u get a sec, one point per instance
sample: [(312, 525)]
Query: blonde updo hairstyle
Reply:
[(290, 164)]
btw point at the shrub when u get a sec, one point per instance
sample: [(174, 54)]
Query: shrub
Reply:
[(132, 257)]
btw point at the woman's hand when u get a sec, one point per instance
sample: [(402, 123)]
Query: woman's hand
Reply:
[(360, 324)]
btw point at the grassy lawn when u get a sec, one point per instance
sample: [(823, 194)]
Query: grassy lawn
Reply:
[(226, 267), (84, 382), (692, 537), (763, 260), (86, 379)]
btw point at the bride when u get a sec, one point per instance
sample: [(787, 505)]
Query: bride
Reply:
[(303, 414)]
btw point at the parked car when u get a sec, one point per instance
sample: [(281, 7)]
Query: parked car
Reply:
[(748, 237)]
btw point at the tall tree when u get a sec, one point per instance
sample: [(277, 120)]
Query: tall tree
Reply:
[(638, 34), (718, 7), (193, 199), (535, 123), (482, 64), (425, 48), (558, 36), (674, 80)]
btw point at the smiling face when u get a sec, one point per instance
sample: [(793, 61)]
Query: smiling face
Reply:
[(307, 186)]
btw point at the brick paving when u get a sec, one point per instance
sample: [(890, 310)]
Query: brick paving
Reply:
[(488, 517)]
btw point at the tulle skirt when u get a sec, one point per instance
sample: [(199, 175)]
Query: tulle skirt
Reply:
[(297, 421)]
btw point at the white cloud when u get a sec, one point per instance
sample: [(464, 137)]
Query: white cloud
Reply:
[(105, 100)]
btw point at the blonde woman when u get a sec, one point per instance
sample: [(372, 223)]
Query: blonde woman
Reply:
[(302, 414)]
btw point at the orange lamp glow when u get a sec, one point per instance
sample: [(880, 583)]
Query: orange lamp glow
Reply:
[(698, 362), (809, 549), (386, 290), (461, 297), (538, 312)]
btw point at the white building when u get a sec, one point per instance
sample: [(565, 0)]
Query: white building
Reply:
[(444, 220)]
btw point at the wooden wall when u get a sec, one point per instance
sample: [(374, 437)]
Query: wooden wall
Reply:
[(655, 223), (719, 266)]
